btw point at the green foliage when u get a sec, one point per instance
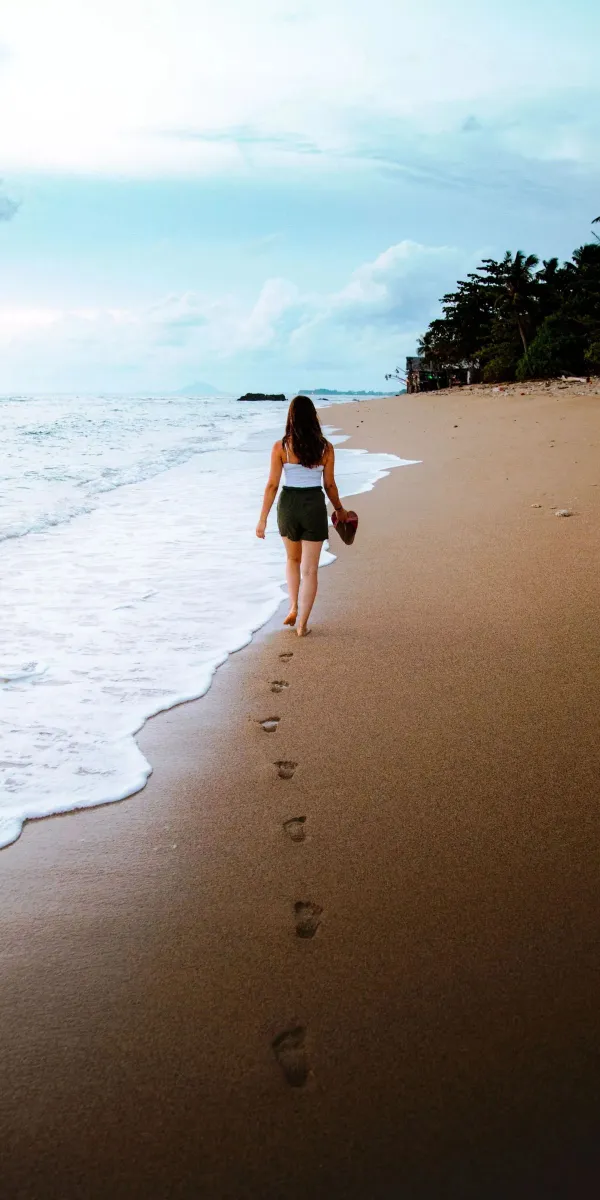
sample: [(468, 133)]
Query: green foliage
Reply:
[(510, 320), (501, 362), (593, 356), (558, 348)]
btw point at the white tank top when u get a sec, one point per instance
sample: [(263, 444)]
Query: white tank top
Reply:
[(297, 476)]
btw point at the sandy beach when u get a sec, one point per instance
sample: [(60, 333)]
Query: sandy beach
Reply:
[(441, 724)]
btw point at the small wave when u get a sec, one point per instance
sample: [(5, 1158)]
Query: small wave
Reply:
[(114, 444), (22, 673), (151, 589)]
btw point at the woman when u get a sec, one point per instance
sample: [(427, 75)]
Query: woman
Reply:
[(307, 461)]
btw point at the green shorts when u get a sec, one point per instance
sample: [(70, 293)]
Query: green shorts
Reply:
[(302, 514)]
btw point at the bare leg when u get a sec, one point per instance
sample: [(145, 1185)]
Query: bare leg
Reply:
[(292, 573), (311, 553)]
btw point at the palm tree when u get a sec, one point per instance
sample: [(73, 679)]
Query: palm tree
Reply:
[(596, 221), (520, 289), (550, 267)]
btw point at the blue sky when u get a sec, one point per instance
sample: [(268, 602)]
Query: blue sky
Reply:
[(274, 195)]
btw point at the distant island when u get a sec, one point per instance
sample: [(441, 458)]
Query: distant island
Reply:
[(202, 388), (253, 396), (337, 392)]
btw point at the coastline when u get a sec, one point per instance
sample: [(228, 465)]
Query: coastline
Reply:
[(443, 718), (169, 593)]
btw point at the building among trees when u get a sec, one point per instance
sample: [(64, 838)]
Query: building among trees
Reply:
[(512, 319)]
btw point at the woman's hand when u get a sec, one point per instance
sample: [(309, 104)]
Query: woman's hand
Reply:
[(260, 529), (342, 514)]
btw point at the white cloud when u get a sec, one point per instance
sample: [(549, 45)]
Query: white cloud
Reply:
[(144, 86), (20, 323), (399, 281), (383, 307), (8, 207)]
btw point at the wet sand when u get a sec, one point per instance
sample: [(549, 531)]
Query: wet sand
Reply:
[(443, 719)]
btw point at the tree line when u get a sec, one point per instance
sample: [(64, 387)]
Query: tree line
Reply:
[(514, 319)]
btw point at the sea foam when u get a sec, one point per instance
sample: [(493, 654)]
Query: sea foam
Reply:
[(126, 607)]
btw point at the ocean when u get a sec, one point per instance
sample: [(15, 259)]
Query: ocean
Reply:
[(130, 570)]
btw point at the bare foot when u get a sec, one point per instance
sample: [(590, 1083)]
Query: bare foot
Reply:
[(302, 631), (291, 617)]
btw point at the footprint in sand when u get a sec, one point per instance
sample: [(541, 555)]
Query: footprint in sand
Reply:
[(278, 685), (307, 918), (295, 828), (285, 657), (286, 769), (290, 1051), (270, 725)]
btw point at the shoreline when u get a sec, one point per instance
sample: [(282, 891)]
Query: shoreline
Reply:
[(106, 765), (442, 717)]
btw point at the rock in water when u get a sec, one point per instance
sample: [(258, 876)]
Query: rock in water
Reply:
[(262, 396)]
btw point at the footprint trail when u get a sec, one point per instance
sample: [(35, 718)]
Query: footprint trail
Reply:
[(286, 768), (307, 918), (295, 828), (290, 1051)]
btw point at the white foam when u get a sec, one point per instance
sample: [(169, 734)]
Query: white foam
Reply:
[(61, 452), (128, 609)]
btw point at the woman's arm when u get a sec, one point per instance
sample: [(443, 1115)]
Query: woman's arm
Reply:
[(271, 488), (330, 485)]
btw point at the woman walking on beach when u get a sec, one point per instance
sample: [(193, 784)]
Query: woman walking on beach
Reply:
[(307, 461)]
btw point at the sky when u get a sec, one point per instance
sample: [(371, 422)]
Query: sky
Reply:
[(274, 194)]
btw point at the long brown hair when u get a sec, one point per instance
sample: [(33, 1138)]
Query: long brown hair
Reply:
[(303, 432)]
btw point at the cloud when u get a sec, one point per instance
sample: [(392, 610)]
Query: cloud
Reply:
[(8, 208), (19, 324), (195, 85), (399, 283), (247, 136), (360, 327)]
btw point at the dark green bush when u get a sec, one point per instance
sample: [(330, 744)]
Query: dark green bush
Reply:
[(557, 349)]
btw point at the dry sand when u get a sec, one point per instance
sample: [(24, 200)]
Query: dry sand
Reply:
[(444, 721)]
